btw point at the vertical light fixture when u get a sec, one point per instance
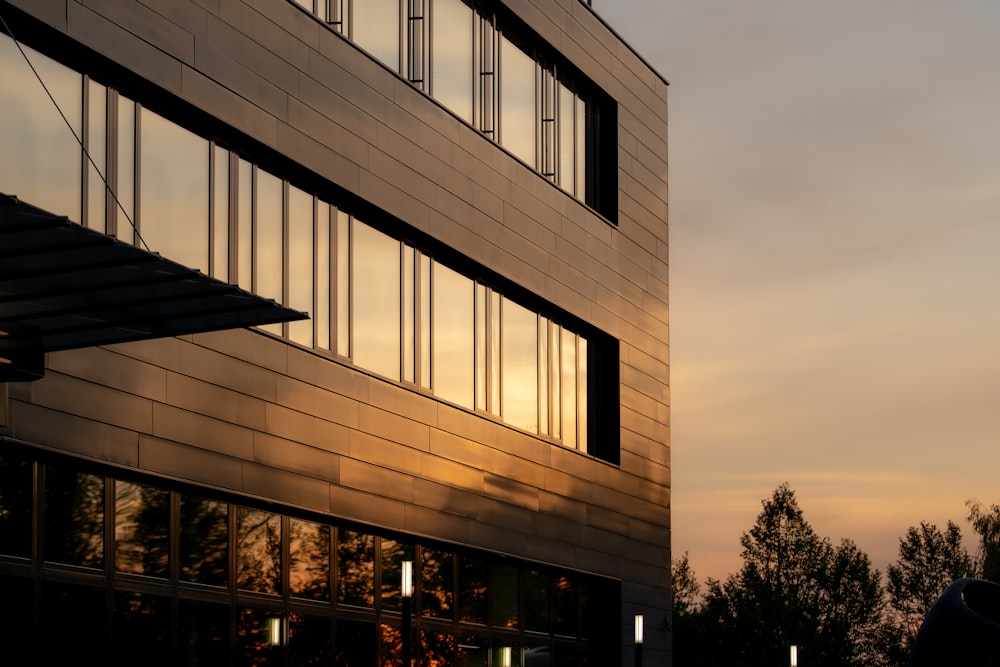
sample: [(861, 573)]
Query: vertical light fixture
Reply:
[(793, 652), (406, 589), (506, 656), (638, 640), (274, 631)]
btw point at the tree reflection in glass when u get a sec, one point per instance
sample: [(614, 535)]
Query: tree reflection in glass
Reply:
[(438, 578), (15, 506), (471, 589), (437, 649), (309, 560), (473, 652), (564, 606), (74, 517), (204, 541), (504, 590), (260, 636), (393, 554), (142, 529), (536, 601), (355, 569), (258, 551)]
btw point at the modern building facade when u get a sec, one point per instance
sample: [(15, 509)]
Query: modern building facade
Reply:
[(469, 201)]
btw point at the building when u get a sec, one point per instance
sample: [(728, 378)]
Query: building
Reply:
[(469, 200)]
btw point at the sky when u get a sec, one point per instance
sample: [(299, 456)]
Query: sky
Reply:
[(835, 262)]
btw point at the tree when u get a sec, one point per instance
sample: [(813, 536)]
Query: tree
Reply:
[(929, 560), (684, 587), (986, 523), (794, 588)]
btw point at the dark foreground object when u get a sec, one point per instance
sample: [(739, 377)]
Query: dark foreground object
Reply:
[(962, 628)]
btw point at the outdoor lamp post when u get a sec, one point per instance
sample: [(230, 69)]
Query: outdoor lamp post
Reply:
[(406, 588), (793, 653), (638, 640)]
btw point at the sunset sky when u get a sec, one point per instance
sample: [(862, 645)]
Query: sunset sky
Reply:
[(835, 262)]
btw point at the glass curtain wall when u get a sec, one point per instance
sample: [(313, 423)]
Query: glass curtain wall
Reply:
[(256, 587), (386, 306)]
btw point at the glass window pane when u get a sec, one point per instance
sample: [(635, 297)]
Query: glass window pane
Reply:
[(323, 276), (73, 627), (204, 541), (503, 589), (141, 628), (473, 652), (454, 336), (568, 367), (436, 648), (309, 560), (40, 160), (581, 149), (451, 56), (244, 224), (174, 191), (482, 354), (538, 656), (543, 375), (393, 555), (425, 320), (260, 636), (97, 166), (17, 613), (564, 606), (74, 517), (268, 265), (376, 301), (517, 102), (343, 322), (536, 601), (142, 529), (310, 641), (438, 580), (376, 29), (300, 263), (409, 321), (567, 139), (471, 589), (258, 551), (520, 366), (203, 633), (15, 505), (494, 352), (581, 394), (124, 211), (356, 644), (355, 569), (220, 215)]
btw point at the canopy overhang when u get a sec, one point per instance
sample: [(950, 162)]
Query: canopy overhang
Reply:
[(63, 286)]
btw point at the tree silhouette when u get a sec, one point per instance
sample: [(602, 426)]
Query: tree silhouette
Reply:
[(986, 523)]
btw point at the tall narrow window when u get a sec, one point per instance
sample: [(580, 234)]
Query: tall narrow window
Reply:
[(47, 169), (375, 296), (376, 28), (97, 164), (451, 56), (300, 263), (343, 293), (220, 213), (324, 275), (268, 241), (517, 101), (453, 332), (125, 185), (244, 223), (520, 366), (174, 191)]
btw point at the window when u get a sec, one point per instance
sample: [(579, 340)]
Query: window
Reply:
[(482, 68)]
